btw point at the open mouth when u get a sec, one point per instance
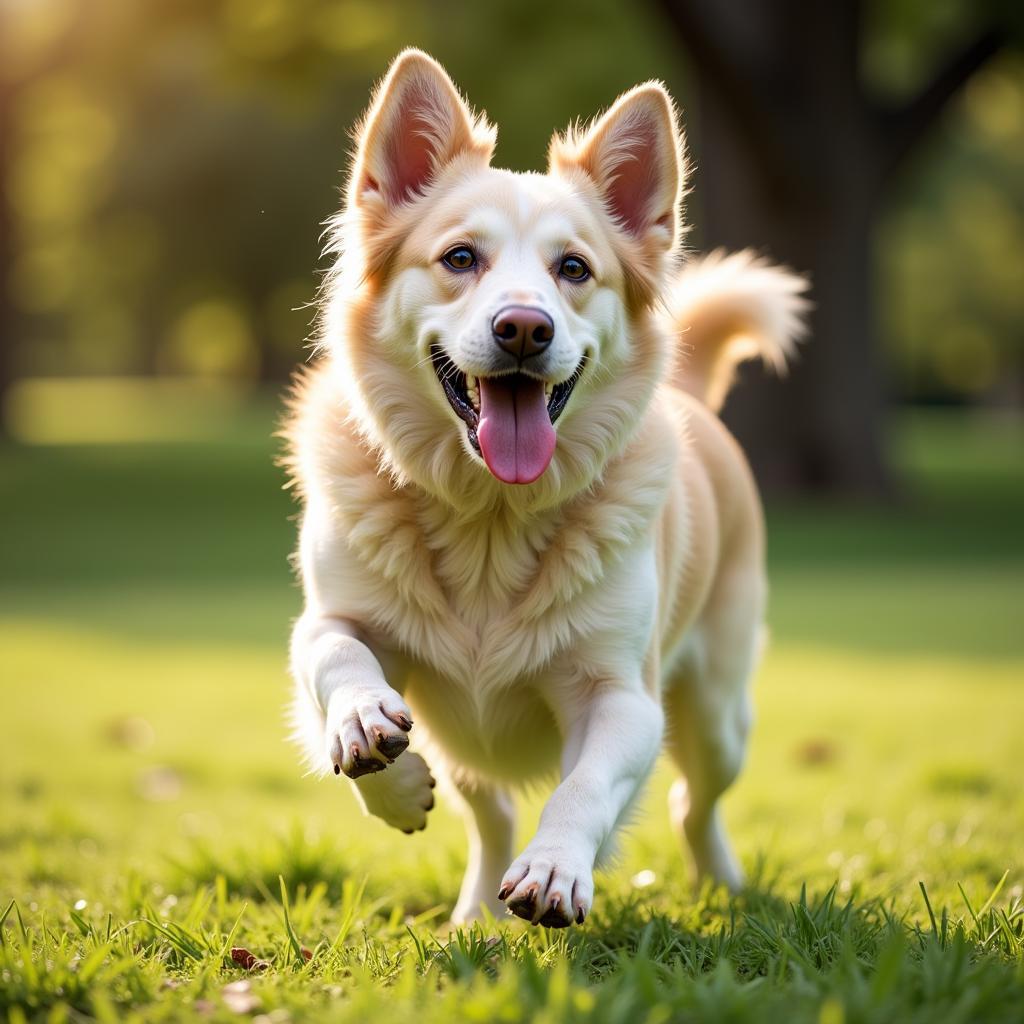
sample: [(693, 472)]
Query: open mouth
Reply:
[(509, 419)]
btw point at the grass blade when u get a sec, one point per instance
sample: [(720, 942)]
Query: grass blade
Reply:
[(293, 939)]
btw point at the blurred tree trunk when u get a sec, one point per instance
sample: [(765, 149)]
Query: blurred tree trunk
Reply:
[(7, 311), (53, 58), (793, 159)]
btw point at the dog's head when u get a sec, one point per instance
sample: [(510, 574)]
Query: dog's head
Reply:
[(494, 325)]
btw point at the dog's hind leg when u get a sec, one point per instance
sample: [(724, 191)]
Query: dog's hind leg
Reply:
[(709, 715), (490, 828)]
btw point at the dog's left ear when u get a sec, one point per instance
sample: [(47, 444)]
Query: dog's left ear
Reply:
[(417, 124), (633, 153)]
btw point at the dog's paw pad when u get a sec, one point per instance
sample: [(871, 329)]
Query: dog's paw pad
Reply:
[(360, 766), (554, 916), (525, 904), (390, 746)]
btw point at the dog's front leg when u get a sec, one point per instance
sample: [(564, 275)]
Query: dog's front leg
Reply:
[(366, 721), (358, 724), (611, 746)]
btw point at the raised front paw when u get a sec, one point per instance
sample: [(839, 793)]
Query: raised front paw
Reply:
[(366, 731), (549, 884)]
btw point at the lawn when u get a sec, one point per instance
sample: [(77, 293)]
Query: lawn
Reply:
[(153, 815)]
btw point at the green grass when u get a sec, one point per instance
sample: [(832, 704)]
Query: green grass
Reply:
[(152, 815)]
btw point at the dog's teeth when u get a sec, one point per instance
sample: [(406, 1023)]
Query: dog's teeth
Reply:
[(473, 392)]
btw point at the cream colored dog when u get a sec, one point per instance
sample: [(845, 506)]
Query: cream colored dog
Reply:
[(520, 528)]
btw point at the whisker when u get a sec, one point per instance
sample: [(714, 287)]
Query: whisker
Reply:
[(447, 370), (426, 359), (445, 366)]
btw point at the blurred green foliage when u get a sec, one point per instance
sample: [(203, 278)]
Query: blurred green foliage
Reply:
[(172, 162)]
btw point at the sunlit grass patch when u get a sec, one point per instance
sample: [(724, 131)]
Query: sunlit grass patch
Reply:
[(808, 958)]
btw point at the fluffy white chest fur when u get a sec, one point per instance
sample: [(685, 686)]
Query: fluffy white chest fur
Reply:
[(476, 619), (524, 546)]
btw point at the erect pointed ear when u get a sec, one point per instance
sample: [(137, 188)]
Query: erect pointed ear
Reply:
[(633, 153), (416, 125)]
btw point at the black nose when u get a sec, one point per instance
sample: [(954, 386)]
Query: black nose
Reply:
[(523, 331)]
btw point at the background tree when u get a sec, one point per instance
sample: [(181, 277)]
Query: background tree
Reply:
[(25, 59), (797, 158)]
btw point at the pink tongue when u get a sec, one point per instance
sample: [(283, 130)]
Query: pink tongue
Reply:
[(515, 433)]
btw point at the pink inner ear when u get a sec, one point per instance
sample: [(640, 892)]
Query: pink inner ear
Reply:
[(410, 150), (634, 191)]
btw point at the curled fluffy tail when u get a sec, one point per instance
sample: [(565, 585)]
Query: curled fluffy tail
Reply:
[(727, 309)]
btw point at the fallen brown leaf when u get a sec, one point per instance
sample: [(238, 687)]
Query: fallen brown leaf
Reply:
[(246, 960)]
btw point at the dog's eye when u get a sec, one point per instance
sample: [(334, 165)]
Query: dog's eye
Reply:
[(459, 258), (572, 268)]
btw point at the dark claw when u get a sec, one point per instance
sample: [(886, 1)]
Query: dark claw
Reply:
[(430, 806), (391, 746), (503, 892), (402, 721), (433, 782), (364, 766), (337, 769), (581, 916), (408, 831)]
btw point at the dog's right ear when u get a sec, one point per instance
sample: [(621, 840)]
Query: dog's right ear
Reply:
[(416, 125)]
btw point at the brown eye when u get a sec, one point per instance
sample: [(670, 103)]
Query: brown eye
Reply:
[(460, 258), (572, 268)]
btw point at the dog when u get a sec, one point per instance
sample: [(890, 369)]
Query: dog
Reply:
[(524, 528)]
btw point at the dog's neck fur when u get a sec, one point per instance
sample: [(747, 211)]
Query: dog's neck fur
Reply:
[(498, 585)]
